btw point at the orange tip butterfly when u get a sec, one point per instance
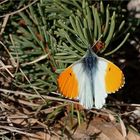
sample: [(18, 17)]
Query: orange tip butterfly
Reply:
[(90, 80)]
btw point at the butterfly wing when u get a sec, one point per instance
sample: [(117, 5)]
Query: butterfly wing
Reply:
[(68, 84), (74, 83), (108, 79), (114, 77), (99, 84), (85, 93)]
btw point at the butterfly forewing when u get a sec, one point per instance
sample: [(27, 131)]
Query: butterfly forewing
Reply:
[(114, 78), (68, 83)]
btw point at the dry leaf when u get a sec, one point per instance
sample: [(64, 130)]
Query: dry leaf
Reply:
[(43, 136), (98, 129), (112, 118), (123, 128), (132, 136)]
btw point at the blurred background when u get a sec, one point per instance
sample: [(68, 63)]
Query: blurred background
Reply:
[(40, 38)]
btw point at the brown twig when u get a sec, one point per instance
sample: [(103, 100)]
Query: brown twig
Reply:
[(124, 104), (3, 65), (15, 12), (37, 96), (20, 101), (20, 131), (3, 1), (4, 24)]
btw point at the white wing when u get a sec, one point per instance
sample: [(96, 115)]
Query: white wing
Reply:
[(99, 83), (85, 94)]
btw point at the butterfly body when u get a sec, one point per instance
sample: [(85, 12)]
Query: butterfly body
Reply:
[(90, 80), (89, 61)]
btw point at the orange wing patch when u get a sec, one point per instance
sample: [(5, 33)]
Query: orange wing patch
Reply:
[(68, 84), (114, 78)]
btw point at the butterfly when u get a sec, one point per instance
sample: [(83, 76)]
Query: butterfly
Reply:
[(90, 80)]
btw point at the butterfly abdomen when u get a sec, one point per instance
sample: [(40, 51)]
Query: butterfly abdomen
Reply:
[(89, 62)]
